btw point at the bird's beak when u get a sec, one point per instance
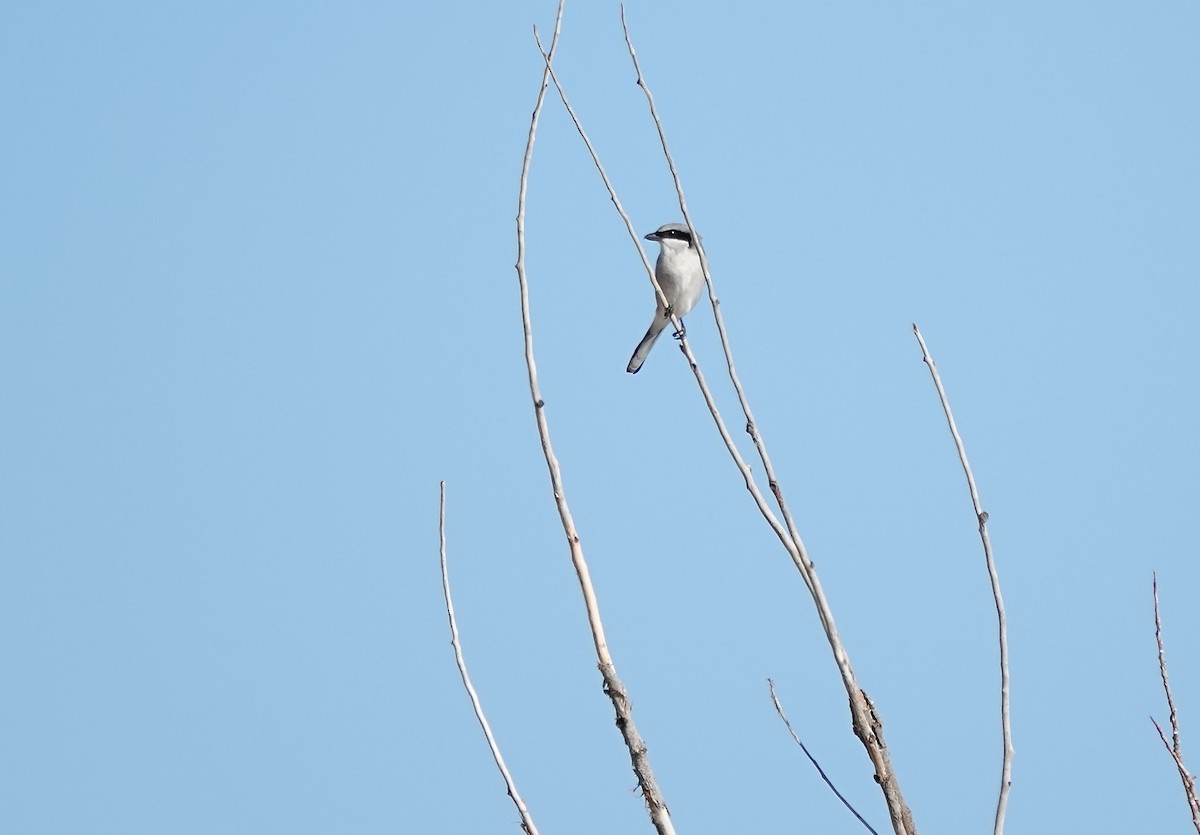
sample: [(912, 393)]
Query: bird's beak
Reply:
[(653, 236)]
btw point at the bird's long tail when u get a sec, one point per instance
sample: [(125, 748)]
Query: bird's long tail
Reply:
[(643, 348)]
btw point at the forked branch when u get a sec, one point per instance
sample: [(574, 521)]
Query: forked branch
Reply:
[(693, 363), (813, 760), (743, 401), (659, 814), (868, 727), (1173, 747)]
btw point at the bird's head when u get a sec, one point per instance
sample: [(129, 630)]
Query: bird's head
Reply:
[(673, 236)]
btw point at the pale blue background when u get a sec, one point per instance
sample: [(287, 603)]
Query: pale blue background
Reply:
[(258, 299)]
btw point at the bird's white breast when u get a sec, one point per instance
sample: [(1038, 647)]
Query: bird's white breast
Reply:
[(679, 274)]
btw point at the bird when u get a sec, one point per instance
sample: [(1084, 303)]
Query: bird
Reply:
[(681, 278)]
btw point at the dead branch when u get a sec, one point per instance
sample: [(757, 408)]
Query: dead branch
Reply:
[(1173, 747), (813, 760), (527, 824), (867, 726), (659, 814), (982, 518)]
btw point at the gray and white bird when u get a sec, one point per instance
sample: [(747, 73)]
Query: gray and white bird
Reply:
[(681, 279)]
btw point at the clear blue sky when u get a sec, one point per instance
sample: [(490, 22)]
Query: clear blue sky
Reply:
[(258, 299)]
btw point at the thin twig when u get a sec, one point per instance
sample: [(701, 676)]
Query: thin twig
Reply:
[(612, 194), (526, 819), (813, 760), (865, 720), (1173, 747), (982, 518), (751, 424), (693, 363), (659, 814)]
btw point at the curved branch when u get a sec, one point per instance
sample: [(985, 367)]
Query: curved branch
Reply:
[(527, 824), (1173, 747), (813, 760), (659, 814), (865, 720), (982, 518)]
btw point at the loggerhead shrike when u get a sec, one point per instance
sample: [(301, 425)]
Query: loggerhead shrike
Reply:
[(681, 279)]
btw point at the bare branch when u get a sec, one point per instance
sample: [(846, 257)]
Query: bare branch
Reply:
[(751, 423), (867, 725), (1173, 747), (813, 760), (659, 814), (1162, 669), (527, 824), (693, 363), (982, 518)]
